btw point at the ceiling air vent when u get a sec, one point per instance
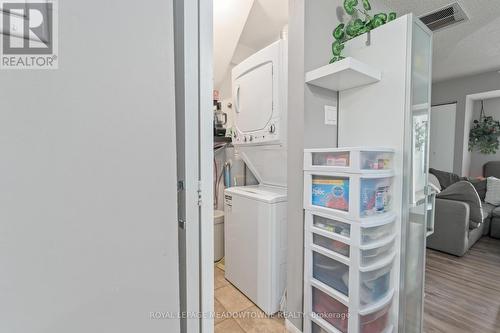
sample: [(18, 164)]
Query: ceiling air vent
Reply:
[(444, 17)]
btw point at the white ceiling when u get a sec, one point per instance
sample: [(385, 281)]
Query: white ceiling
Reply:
[(265, 22), (240, 31), (229, 22), (466, 48)]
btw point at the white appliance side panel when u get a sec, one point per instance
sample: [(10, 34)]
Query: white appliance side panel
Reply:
[(254, 98), (281, 247)]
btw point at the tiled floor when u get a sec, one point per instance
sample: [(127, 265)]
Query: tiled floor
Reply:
[(235, 313)]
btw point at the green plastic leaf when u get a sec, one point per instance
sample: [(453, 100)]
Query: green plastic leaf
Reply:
[(366, 5), (350, 30), (383, 16), (350, 6), (392, 16), (333, 60), (337, 48), (339, 33), (378, 20)]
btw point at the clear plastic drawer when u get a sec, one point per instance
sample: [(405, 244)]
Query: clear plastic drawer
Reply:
[(330, 192), (376, 233), (339, 159), (329, 309), (351, 160), (331, 244), (331, 225), (331, 272), (372, 256), (376, 160), (375, 196), (375, 285), (376, 322)]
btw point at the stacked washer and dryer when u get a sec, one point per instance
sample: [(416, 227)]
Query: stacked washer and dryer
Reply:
[(255, 224)]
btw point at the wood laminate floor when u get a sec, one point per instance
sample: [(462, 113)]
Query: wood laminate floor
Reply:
[(463, 293)]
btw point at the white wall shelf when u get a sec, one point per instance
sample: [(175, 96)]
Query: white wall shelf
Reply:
[(344, 74)]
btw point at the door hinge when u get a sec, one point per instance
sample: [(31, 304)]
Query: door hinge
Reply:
[(200, 198)]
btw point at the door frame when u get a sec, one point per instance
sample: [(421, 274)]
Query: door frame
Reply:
[(194, 85), (469, 113)]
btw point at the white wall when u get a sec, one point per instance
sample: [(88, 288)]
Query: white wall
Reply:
[(88, 231), (491, 108)]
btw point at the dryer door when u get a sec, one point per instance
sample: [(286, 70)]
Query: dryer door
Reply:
[(253, 92)]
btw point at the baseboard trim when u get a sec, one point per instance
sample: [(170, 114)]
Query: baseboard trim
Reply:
[(291, 327)]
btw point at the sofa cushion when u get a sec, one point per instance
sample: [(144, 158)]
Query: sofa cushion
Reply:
[(496, 212), (493, 191), (480, 184), (446, 178), (463, 191), (488, 210)]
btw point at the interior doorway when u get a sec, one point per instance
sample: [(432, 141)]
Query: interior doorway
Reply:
[(442, 137)]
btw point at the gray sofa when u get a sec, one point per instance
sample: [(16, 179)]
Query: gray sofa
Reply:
[(492, 169), (451, 227), (454, 232)]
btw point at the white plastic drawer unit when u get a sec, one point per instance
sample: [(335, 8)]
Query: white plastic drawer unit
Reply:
[(331, 272), (376, 322), (324, 223), (378, 231), (331, 244), (329, 310), (371, 255), (375, 285), (345, 195), (350, 160)]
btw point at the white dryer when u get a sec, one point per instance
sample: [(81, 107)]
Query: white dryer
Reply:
[(255, 225)]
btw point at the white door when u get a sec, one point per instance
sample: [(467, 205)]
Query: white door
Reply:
[(442, 140), (88, 231)]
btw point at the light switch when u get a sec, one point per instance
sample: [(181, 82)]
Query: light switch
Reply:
[(330, 115)]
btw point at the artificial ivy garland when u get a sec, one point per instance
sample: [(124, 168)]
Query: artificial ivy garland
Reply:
[(356, 26), (484, 134)]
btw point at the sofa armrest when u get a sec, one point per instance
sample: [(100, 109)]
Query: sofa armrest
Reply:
[(451, 227)]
